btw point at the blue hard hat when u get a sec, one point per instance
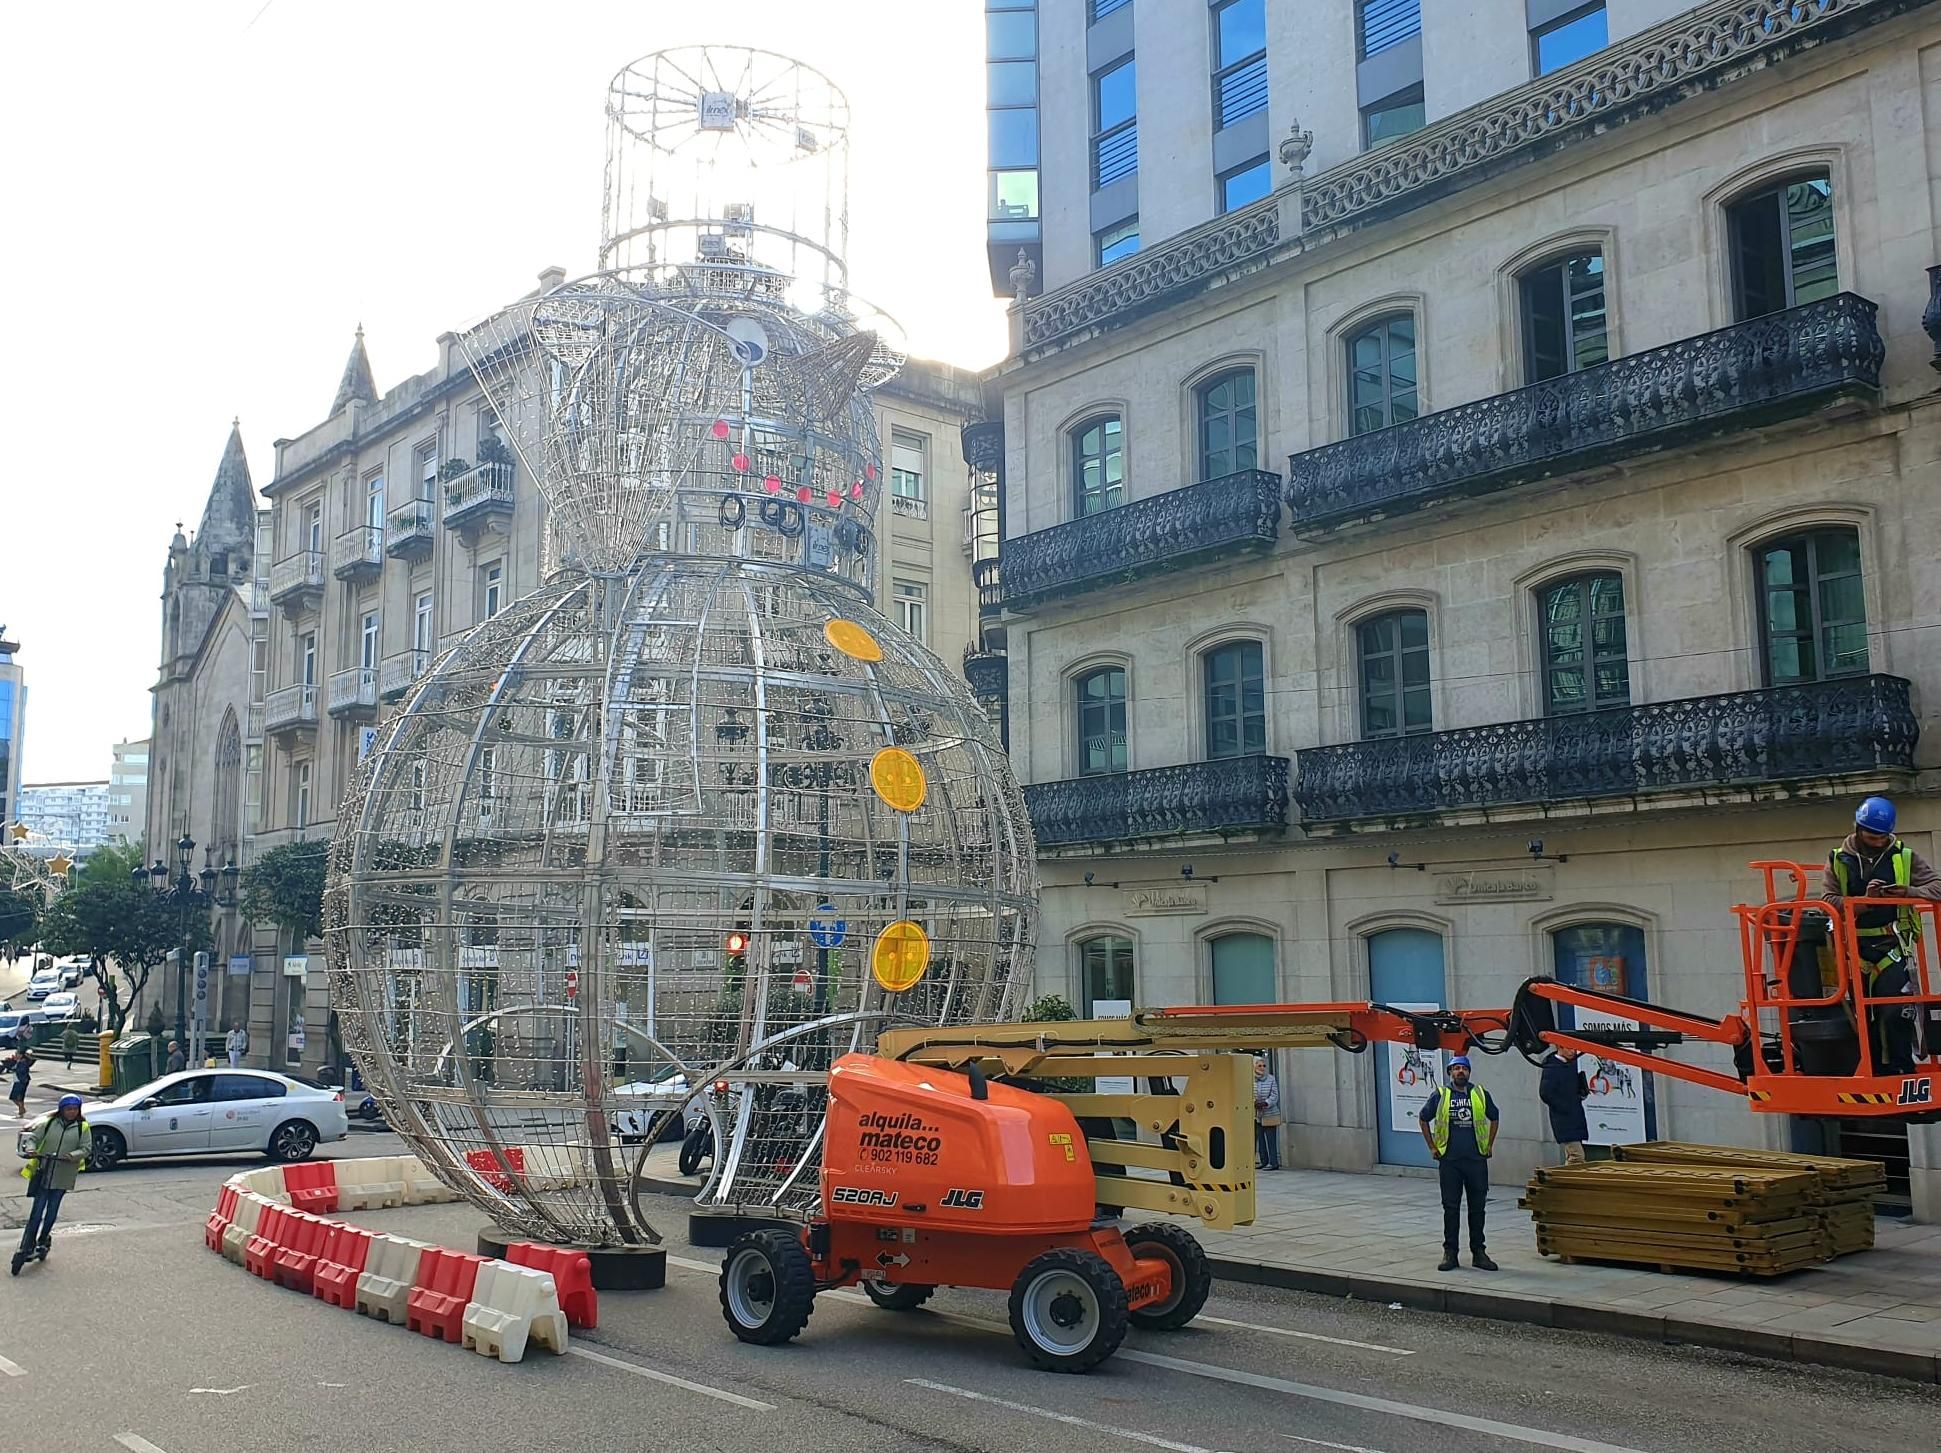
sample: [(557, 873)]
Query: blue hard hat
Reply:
[(1876, 814), (1461, 1059), (70, 1100)]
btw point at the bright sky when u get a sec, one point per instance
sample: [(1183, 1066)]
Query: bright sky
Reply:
[(204, 199)]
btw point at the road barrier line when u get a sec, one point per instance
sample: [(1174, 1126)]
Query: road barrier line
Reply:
[(1324, 1443), (136, 1443), (1152, 1440), (1305, 1336), (1440, 1416), (12, 1369), (720, 1394)]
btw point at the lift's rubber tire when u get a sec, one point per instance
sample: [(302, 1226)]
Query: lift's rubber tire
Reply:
[(767, 1286), (906, 1298), (1192, 1274), (1068, 1310)]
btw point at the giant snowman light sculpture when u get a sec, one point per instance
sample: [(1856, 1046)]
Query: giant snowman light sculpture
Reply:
[(693, 818)]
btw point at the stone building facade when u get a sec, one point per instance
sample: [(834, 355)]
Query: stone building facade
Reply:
[(1462, 562), (394, 526)]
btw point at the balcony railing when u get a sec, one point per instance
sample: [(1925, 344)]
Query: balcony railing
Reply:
[(1861, 725), (291, 708), (396, 673), (353, 690), (253, 722), (296, 576), (910, 506), (485, 491), (1237, 795), (987, 672), (1147, 537), (1115, 155), (1241, 91), (987, 575), (408, 529), (358, 551), (1782, 365)]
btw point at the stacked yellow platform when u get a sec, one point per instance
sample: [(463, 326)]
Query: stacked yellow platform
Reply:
[(1755, 1222), (1845, 1204)]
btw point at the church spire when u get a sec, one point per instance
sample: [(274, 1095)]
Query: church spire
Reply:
[(229, 517), (357, 384)]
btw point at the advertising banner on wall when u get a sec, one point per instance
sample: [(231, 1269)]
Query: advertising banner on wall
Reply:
[(1414, 1074), (1615, 1107), (1113, 1009)]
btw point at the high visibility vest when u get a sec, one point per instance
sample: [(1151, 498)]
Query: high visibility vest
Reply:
[(1879, 922), (1478, 1119)]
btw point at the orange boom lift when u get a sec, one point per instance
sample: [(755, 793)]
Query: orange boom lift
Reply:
[(948, 1162)]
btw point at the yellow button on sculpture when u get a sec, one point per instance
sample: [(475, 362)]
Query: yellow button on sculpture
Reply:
[(898, 779), (852, 640), (901, 956)]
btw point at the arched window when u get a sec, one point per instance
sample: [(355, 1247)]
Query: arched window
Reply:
[(1236, 700), (1243, 969), (1098, 464), (1812, 606), (226, 826), (1105, 973), (1608, 957), (1227, 431), (1393, 652), (1564, 321), (1585, 666), (1381, 374), (1100, 702), (1782, 241)]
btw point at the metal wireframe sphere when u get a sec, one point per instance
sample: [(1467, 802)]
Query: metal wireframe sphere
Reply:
[(642, 829)]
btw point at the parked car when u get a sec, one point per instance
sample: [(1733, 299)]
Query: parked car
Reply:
[(72, 971), (16, 1022), (45, 982), (64, 1005), (200, 1112), (644, 1100)]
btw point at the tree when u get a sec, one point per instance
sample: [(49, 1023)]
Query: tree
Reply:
[(286, 887), (19, 914), (108, 916)]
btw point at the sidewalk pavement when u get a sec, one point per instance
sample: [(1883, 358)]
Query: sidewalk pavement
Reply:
[(1378, 1238)]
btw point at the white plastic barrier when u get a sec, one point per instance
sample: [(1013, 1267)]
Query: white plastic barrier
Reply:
[(510, 1306), (421, 1187), (364, 1185), (389, 1274), (551, 1167), (249, 1213), (267, 1183)]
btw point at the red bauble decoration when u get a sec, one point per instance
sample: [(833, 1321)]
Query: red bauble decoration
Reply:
[(869, 471), (772, 484), (740, 462), (804, 493), (856, 490), (719, 429), (835, 498)]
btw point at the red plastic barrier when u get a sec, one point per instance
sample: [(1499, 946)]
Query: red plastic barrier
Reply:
[(491, 1168), (219, 1219), (345, 1251), (260, 1250), (572, 1274), (295, 1264), (311, 1185), (436, 1305)]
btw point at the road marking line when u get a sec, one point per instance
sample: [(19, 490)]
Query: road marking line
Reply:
[(136, 1443), (1512, 1431), (1324, 1443), (720, 1394), (1150, 1439), (12, 1369), (692, 1265), (1306, 1336)]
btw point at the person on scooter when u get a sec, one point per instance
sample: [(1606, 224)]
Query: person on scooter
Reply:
[(1874, 863), (61, 1147)]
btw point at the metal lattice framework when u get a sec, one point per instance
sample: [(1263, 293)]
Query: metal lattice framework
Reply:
[(694, 814), (32, 862)]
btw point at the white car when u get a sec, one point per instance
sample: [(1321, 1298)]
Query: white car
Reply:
[(64, 1005), (16, 1022), (72, 971), (211, 1112), (46, 982), (642, 1101)]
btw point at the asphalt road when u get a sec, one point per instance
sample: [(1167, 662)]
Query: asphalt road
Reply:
[(134, 1337)]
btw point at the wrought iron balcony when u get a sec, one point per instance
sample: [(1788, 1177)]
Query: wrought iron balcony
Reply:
[(986, 575), (357, 552), (1234, 796), (1850, 726), (1785, 364), (297, 578), (1147, 537), (353, 691), (395, 673), (408, 529), (476, 498), (293, 708), (987, 672)]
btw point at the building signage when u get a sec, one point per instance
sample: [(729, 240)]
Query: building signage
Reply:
[(296, 965), (239, 965), (1161, 899), (1513, 885), (717, 110)]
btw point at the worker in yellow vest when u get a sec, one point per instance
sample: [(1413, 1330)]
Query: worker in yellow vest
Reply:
[(1459, 1127), (1874, 863)]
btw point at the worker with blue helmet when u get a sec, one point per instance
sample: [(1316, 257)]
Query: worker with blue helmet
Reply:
[(1874, 864)]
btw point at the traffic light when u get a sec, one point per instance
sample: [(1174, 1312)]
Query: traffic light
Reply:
[(737, 943)]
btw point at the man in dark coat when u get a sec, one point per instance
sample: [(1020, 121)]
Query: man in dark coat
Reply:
[(1564, 1089)]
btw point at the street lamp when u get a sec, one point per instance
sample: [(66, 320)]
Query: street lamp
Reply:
[(188, 894)]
